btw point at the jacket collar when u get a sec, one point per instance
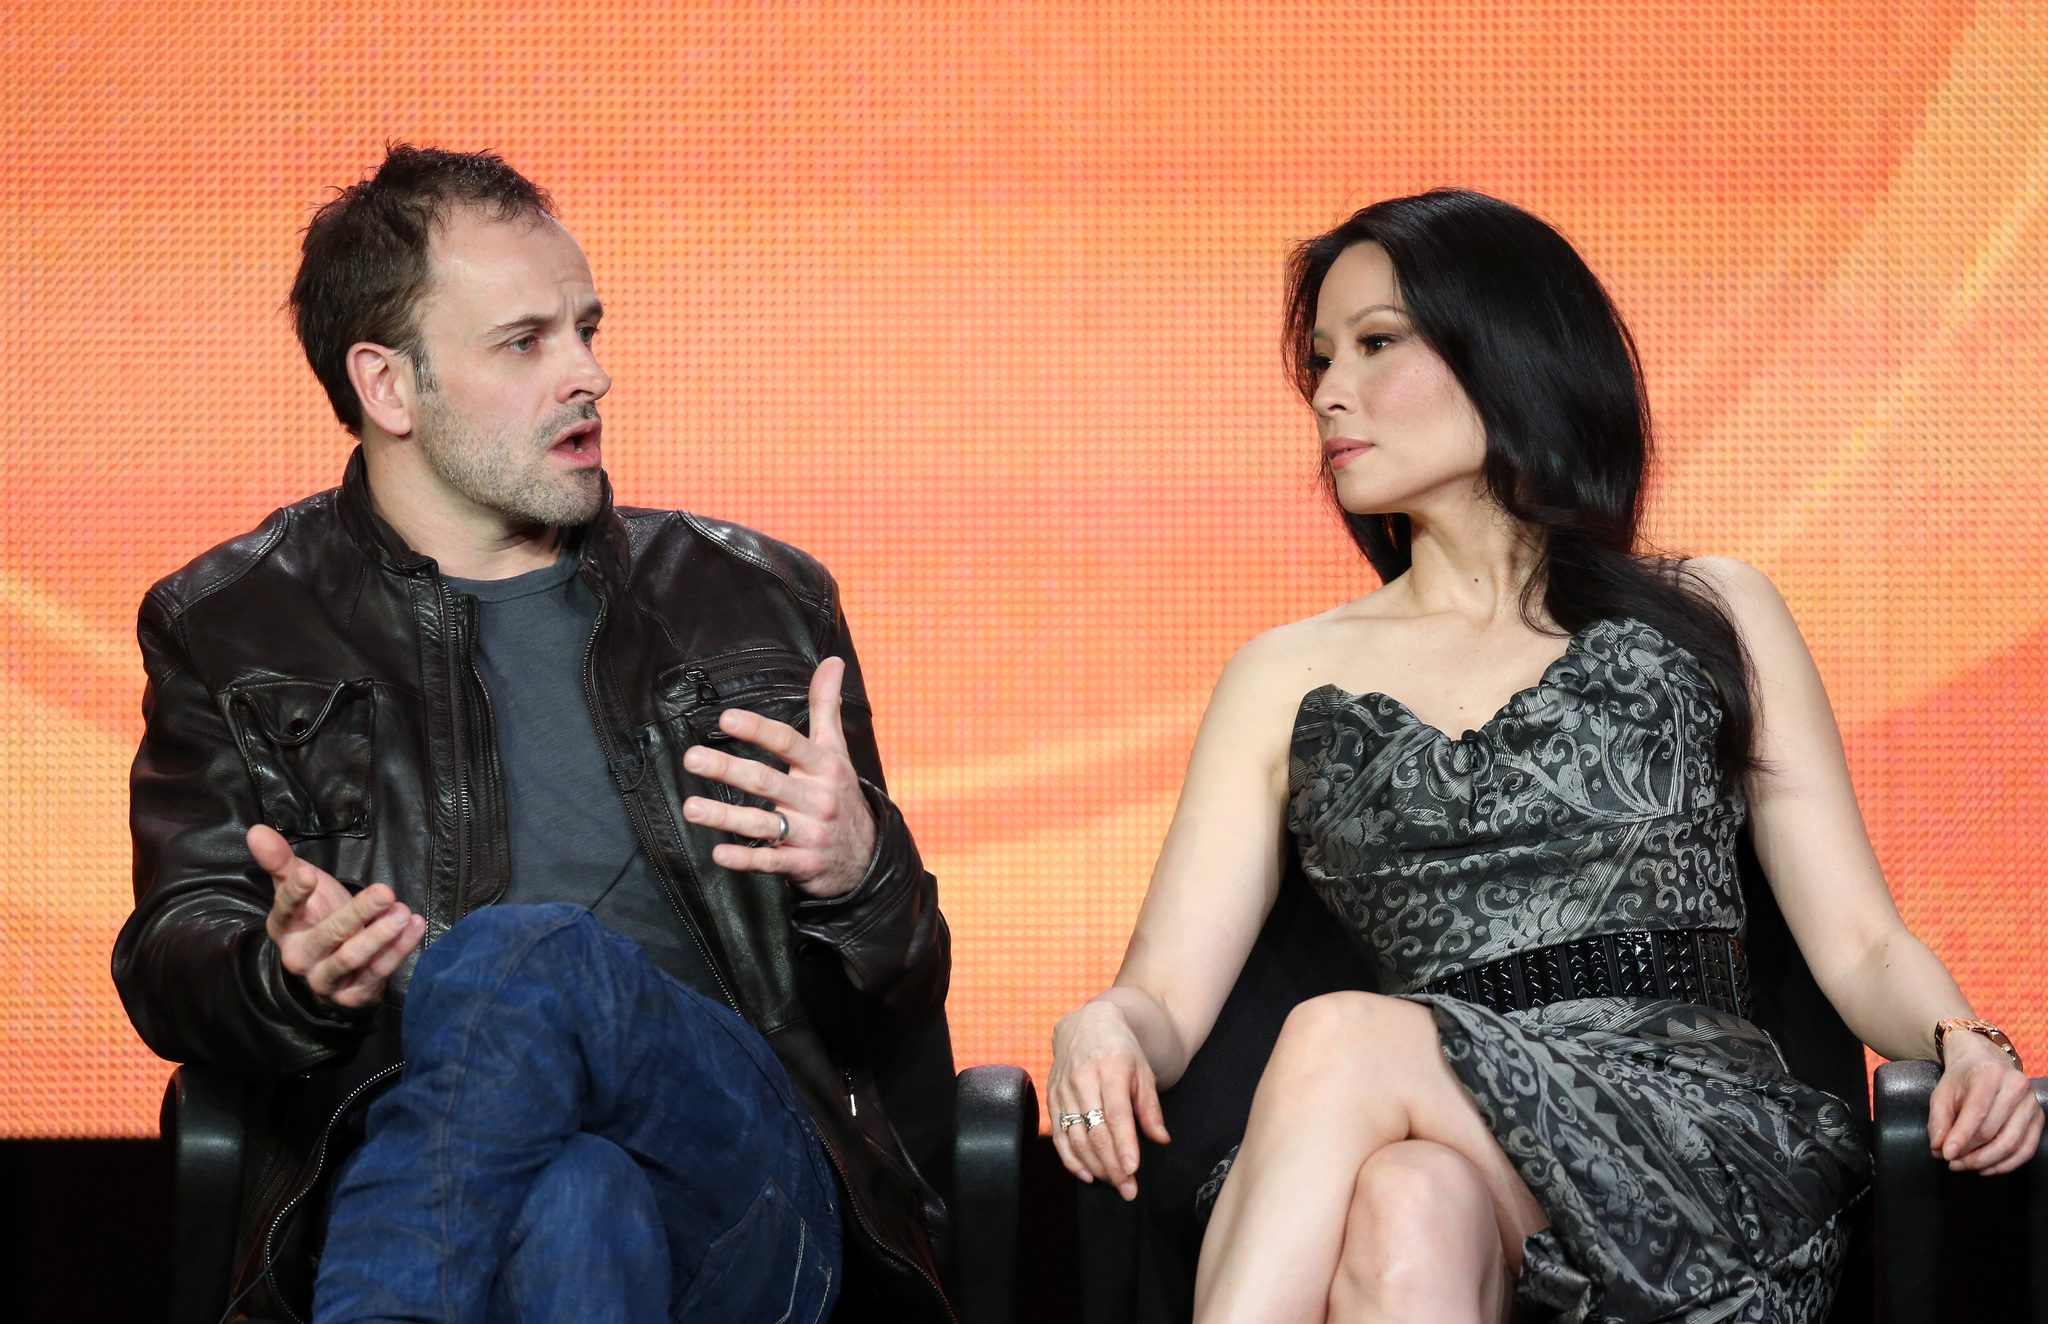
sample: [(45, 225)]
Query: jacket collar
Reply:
[(600, 546)]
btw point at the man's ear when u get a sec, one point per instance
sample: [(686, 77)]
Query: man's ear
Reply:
[(385, 385)]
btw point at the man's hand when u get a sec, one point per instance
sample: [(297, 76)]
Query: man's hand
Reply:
[(831, 834), (343, 946)]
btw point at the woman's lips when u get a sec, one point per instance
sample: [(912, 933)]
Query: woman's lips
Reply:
[(1340, 451)]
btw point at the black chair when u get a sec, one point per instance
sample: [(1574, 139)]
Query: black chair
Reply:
[(1953, 1245), (1138, 1259), (995, 1115)]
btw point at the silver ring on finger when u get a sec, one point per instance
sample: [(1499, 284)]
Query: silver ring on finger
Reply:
[(1068, 1119), (781, 830), (1094, 1117)]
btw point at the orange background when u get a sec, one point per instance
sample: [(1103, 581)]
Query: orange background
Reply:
[(979, 302)]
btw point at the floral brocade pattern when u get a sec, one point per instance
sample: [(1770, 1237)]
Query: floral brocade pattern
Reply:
[(1590, 803), (1687, 1175)]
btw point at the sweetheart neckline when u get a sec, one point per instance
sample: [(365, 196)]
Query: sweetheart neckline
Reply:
[(1571, 646)]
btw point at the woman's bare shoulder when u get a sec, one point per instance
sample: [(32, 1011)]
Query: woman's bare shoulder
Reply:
[(1289, 660), (1752, 600), (1728, 576)]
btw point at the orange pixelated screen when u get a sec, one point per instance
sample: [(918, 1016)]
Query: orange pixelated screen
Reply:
[(979, 303)]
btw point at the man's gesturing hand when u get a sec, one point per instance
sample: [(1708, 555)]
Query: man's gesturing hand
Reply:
[(831, 833), (343, 946)]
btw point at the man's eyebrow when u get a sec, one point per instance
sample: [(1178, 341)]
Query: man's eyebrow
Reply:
[(590, 312)]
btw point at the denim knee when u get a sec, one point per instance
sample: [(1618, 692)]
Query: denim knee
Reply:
[(507, 929), (496, 936), (589, 1243), (591, 1183)]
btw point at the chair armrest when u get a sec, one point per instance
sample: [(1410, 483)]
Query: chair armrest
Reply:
[(204, 1121), (2037, 1213), (1909, 1225), (1910, 1183), (996, 1115)]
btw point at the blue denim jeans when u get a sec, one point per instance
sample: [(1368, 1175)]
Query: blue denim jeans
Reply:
[(577, 1136)]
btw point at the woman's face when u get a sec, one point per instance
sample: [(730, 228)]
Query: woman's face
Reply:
[(1399, 433)]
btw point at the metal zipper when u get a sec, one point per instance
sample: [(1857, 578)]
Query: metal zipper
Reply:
[(495, 770), (319, 1165), (465, 809), (637, 817), (708, 675), (852, 1107), (853, 1205)]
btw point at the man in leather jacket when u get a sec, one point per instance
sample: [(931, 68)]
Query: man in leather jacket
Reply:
[(340, 760)]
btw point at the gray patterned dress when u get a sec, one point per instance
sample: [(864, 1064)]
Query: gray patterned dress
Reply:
[(1686, 1174)]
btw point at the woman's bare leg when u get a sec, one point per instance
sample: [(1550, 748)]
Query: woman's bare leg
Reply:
[(1352, 1074), (1422, 1245)]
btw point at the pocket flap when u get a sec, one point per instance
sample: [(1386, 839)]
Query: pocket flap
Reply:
[(740, 680), (289, 712)]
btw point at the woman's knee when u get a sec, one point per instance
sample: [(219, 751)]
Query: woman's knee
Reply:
[(1362, 1029), (1419, 1210)]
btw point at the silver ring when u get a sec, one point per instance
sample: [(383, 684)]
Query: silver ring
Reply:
[(1068, 1119), (1094, 1118), (782, 834)]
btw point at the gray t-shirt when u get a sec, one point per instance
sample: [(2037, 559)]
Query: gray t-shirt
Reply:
[(571, 838)]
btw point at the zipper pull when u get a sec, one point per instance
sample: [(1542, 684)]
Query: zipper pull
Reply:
[(852, 1105), (706, 691), (628, 769)]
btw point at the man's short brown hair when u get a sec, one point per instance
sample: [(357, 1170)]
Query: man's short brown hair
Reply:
[(364, 265)]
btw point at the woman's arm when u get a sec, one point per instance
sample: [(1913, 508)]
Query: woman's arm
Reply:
[(1215, 881), (1810, 838)]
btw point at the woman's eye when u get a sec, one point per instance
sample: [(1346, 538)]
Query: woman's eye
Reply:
[(1319, 362), (1374, 344)]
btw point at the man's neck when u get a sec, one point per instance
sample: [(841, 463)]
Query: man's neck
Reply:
[(465, 540)]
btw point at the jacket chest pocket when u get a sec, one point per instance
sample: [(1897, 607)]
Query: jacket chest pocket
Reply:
[(308, 746), (771, 682)]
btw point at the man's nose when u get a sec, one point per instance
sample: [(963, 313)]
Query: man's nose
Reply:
[(587, 377)]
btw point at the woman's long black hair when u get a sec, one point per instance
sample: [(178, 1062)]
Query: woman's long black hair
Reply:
[(1531, 336)]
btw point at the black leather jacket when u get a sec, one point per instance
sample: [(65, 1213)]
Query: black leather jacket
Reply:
[(316, 675)]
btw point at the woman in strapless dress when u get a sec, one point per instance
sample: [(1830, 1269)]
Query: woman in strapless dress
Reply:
[(1518, 774)]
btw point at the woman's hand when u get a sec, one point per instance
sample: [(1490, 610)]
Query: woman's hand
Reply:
[(1983, 1117), (1097, 1063)]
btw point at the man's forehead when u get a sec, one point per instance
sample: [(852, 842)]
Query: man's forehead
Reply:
[(476, 257)]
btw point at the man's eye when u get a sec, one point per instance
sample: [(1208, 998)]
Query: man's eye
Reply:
[(589, 333), (523, 344)]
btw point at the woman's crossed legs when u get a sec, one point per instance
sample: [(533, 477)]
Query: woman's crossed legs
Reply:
[(1368, 1188)]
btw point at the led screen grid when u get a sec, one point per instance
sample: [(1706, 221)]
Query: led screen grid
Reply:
[(979, 304)]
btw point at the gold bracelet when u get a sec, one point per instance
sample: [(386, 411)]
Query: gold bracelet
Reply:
[(1985, 1028)]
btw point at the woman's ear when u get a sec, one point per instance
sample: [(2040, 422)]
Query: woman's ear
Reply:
[(385, 384)]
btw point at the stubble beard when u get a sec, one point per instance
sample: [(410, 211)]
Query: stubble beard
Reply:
[(509, 476)]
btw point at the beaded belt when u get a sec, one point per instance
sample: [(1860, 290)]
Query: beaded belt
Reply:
[(1705, 966)]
